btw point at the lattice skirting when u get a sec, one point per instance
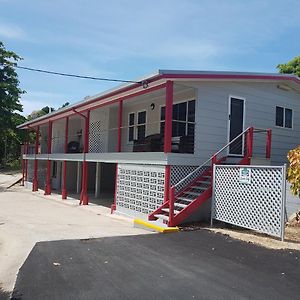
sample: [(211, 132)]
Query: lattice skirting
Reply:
[(140, 188), (257, 204)]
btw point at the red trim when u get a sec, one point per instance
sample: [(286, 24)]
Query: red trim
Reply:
[(26, 160), (64, 193), (138, 93), (114, 205), (250, 142), (171, 207), (120, 122), (49, 146), (230, 76), (269, 143), (167, 182), (168, 117), (35, 170)]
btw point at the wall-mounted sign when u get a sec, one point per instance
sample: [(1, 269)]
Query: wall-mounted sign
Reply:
[(245, 175)]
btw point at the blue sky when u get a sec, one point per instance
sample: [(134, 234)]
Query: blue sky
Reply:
[(128, 39)]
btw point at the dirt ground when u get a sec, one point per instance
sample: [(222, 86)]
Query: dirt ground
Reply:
[(291, 237)]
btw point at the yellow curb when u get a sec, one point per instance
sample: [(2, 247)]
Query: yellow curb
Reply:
[(155, 227)]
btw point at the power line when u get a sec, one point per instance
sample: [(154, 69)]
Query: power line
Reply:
[(144, 83)]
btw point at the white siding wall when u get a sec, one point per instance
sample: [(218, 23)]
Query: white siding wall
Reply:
[(261, 100), (58, 136)]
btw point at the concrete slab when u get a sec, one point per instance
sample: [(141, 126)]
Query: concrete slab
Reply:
[(185, 265), (27, 218)]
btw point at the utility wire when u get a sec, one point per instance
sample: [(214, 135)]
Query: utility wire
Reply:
[(144, 83)]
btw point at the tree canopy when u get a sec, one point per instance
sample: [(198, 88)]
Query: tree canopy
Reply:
[(291, 67), (10, 106)]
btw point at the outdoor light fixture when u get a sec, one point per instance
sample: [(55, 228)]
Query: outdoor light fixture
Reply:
[(152, 105), (145, 84)]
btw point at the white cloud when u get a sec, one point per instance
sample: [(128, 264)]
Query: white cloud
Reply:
[(12, 32)]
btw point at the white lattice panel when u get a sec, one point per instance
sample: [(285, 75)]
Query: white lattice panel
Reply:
[(180, 172), (258, 205), (98, 132), (140, 188)]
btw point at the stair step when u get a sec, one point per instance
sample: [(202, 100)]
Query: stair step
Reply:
[(185, 199), (203, 188), (167, 211), (192, 194), (164, 217), (180, 205), (205, 182)]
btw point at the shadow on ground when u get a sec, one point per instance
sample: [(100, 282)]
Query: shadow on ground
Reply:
[(184, 265), (4, 295)]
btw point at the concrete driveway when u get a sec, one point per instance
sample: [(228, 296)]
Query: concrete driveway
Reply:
[(27, 218), (185, 265)]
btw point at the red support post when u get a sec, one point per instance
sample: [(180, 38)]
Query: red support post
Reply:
[(23, 163), (26, 152), (167, 182), (35, 168), (250, 142), (120, 121), (168, 117), (84, 198), (49, 146), (64, 193), (171, 207), (269, 143)]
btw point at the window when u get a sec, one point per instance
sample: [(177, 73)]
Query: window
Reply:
[(183, 120), (141, 127), (284, 117), (131, 127), (137, 128)]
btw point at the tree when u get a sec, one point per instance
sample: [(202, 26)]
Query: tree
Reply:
[(291, 67), (45, 110), (10, 105)]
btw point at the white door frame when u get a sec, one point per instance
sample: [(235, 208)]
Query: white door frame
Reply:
[(229, 122)]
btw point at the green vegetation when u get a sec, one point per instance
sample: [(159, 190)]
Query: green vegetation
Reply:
[(10, 106), (291, 67)]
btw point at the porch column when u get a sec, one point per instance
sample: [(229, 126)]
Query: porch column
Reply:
[(120, 121), (23, 162), (48, 175), (84, 198), (26, 152), (168, 117), (97, 180), (64, 193), (35, 170), (168, 135)]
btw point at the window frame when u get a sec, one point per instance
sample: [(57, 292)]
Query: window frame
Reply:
[(135, 125), (187, 122), (283, 121)]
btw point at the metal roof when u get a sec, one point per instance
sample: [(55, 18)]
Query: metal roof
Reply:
[(164, 74)]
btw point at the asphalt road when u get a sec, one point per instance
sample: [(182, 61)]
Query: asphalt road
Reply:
[(186, 265)]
